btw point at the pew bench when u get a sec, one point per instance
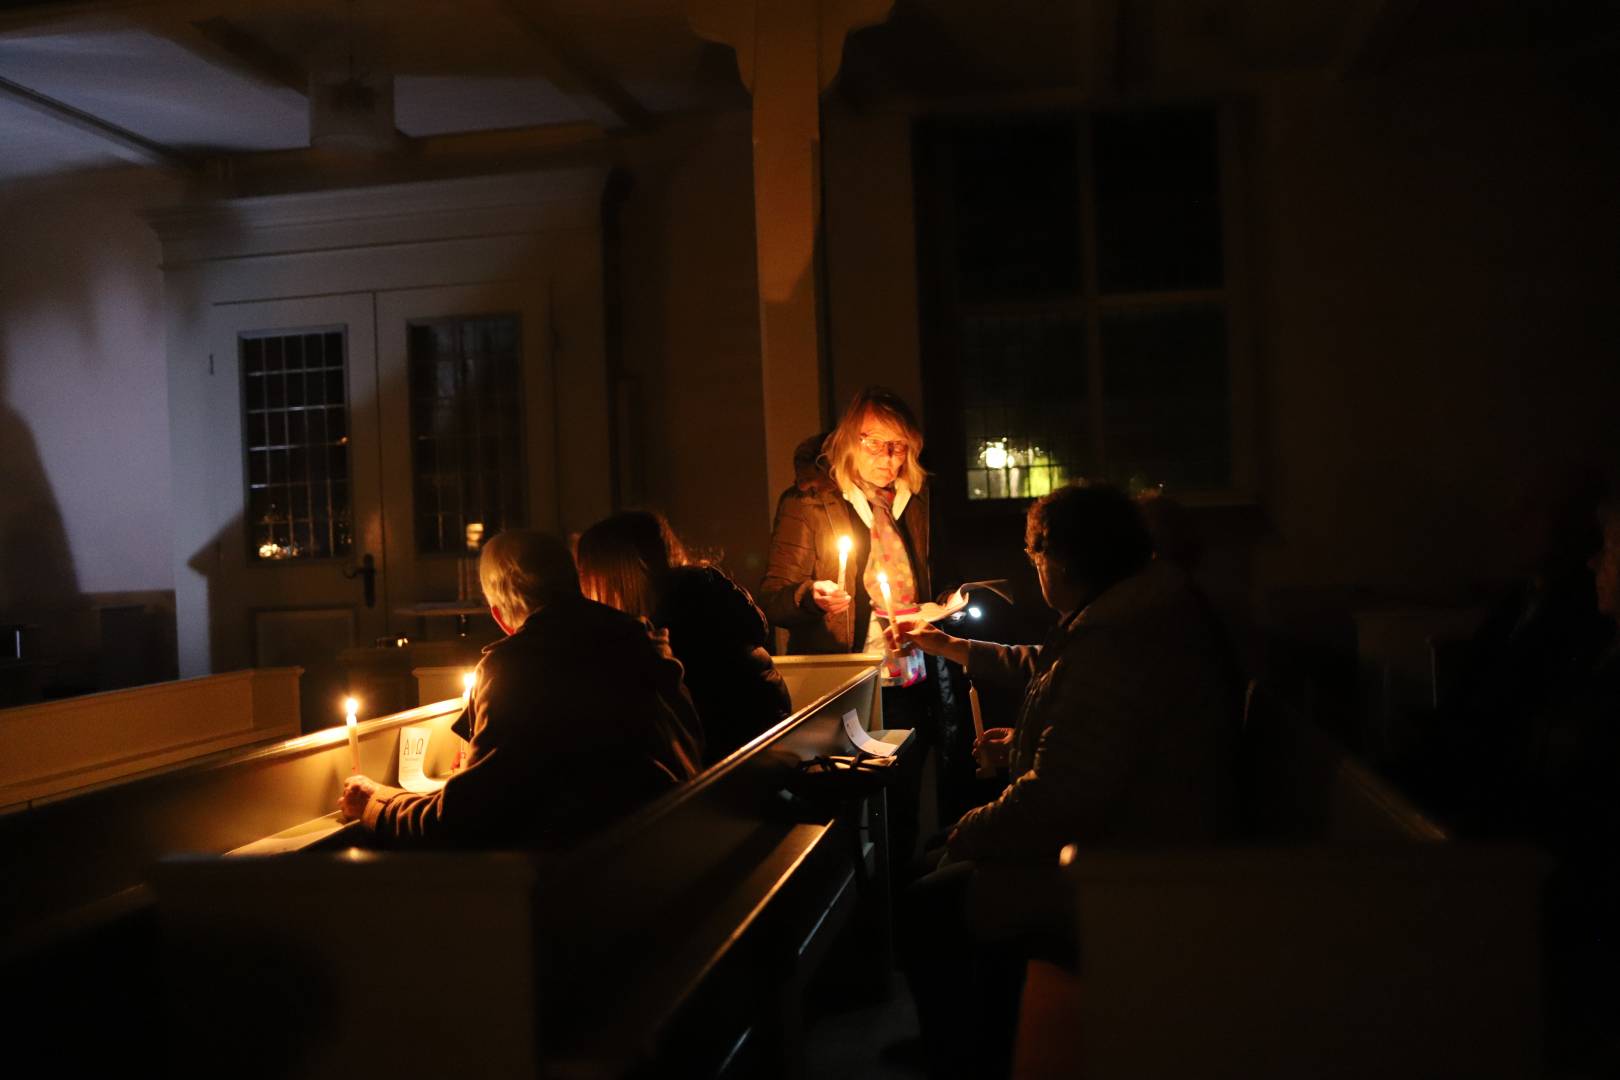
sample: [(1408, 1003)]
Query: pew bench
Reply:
[(1345, 936)]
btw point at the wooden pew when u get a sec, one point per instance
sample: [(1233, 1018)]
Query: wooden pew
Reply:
[(677, 942), (1347, 937)]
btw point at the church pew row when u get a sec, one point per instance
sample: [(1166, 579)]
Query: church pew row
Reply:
[(211, 912), (1348, 936)]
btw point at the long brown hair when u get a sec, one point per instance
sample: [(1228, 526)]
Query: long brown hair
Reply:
[(845, 441), (623, 560)]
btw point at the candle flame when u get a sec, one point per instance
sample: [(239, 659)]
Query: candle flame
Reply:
[(882, 578), (468, 680), (351, 706), (844, 544)]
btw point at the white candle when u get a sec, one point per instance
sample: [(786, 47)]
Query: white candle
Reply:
[(888, 612), (984, 769), (350, 707), (844, 544)]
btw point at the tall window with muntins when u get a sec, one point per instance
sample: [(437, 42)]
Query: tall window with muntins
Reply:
[(296, 441), (1076, 320), (466, 428)]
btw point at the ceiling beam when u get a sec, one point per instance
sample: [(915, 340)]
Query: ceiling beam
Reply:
[(225, 45), (603, 101), (125, 144)]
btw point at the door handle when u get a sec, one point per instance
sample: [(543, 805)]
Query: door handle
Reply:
[(367, 573)]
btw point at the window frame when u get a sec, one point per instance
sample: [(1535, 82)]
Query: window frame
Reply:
[(942, 313)]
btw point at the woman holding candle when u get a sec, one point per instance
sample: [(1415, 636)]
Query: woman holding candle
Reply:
[(829, 595), (634, 561), (864, 513)]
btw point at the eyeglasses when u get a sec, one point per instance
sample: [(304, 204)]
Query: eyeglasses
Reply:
[(884, 447)]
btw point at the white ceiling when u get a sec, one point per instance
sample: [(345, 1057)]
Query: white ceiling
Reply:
[(85, 85)]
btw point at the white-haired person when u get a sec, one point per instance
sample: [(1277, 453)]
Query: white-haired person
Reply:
[(578, 716)]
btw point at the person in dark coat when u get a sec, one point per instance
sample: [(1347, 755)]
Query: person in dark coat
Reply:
[(863, 484), (869, 474), (633, 561), (577, 717)]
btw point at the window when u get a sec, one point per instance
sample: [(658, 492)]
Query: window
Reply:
[(466, 429), (1076, 319), (296, 440)]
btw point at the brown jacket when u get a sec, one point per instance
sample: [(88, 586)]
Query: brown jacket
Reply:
[(804, 550), (1126, 735), (577, 719)]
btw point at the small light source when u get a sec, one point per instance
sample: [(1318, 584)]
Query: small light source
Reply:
[(844, 544), (468, 681), (350, 708), (975, 612), (995, 455)]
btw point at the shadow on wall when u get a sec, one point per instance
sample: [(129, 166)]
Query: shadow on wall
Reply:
[(39, 590)]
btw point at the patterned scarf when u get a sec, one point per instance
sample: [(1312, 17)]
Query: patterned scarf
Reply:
[(889, 556)]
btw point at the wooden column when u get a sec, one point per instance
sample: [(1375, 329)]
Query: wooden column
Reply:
[(788, 52)]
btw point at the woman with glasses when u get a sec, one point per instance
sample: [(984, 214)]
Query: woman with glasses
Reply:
[(1125, 738), (633, 561), (869, 496), (870, 493)]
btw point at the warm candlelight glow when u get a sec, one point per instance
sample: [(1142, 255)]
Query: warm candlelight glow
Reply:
[(468, 681), (350, 707), (888, 600), (844, 544)]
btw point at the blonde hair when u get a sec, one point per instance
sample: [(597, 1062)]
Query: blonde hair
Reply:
[(522, 570), (845, 440)]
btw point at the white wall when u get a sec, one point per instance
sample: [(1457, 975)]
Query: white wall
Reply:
[(82, 371)]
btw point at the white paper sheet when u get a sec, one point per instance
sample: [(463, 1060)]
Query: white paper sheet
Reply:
[(863, 739), (958, 600), (412, 750)]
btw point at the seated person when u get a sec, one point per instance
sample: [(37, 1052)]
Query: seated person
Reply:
[(1125, 734), (1124, 737), (578, 717), (634, 561)]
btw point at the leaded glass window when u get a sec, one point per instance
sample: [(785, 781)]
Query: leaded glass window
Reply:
[(466, 428), (296, 442)]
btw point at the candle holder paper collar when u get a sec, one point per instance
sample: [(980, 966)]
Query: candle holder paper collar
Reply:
[(863, 508)]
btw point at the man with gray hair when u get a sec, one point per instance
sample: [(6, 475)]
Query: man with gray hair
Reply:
[(578, 716)]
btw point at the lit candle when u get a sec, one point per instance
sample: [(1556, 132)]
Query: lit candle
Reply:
[(844, 544), (467, 682), (350, 707), (888, 611)]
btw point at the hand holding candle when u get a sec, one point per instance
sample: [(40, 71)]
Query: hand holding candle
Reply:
[(984, 770), (350, 708)]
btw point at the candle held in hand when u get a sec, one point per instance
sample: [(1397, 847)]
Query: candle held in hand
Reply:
[(984, 770), (350, 708), (844, 544)]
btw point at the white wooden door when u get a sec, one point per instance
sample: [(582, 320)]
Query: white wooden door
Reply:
[(300, 572), (468, 425)]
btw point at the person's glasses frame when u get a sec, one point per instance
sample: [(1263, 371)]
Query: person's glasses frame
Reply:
[(882, 448)]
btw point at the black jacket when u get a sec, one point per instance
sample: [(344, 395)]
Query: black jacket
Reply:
[(719, 634), (577, 719), (804, 550)]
